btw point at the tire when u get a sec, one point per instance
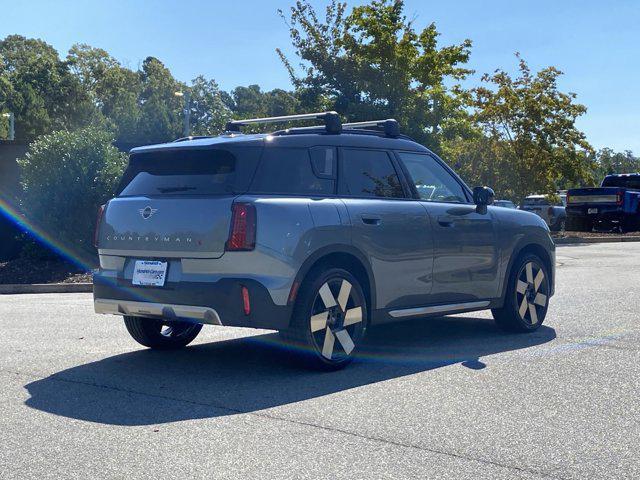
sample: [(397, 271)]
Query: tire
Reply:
[(161, 335), (527, 298), (329, 319), (629, 224), (577, 224), (559, 225)]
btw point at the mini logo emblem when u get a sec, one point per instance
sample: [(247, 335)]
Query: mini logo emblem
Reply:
[(147, 212)]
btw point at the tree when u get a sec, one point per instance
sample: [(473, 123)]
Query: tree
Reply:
[(373, 64), (113, 89), (159, 107), (526, 140), (65, 177), (252, 102), (209, 113), (608, 162), (40, 89)]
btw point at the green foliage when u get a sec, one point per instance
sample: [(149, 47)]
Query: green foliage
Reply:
[(66, 176), (40, 89), (113, 89), (209, 114), (607, 162), (252, 102), (516, 134), (526, 140), (373, 63)]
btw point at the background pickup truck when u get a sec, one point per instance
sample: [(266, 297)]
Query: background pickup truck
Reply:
[(552, 213), (613, 205)]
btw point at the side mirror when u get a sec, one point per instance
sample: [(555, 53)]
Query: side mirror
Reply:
[(483, 196)]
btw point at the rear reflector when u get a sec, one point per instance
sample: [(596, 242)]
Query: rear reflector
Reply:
[(246, 304), (96, 232), (242, 235)]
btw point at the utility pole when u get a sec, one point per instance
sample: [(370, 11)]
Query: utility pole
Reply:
[(187, 111)]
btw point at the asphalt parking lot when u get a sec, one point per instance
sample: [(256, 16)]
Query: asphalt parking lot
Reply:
[(432, 398)]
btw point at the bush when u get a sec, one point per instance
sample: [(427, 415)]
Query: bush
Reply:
[(66, 176)]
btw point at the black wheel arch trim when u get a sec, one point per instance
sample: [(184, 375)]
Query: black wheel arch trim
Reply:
[(522, 244), (328, 250)]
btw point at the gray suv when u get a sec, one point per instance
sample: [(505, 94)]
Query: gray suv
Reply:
[(317, 232)]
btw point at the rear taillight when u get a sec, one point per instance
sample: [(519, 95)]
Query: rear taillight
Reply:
[(619, 198), (550, 211), (242, 235), (96, 232)]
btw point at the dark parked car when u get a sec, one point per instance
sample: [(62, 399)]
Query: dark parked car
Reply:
[(317, 232), (613, 205)]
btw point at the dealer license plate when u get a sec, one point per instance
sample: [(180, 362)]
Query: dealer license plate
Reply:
[(149, 273), (592, 210)]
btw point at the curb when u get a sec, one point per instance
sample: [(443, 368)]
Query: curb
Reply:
[(46, 288), (573, 240)]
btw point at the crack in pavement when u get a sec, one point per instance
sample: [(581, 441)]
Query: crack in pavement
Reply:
[(267, 416)]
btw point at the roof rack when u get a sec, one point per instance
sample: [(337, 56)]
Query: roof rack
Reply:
[(332, 121), (390, 126)]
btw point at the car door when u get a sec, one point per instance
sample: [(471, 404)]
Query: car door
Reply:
[(388, 226), (466, 258)]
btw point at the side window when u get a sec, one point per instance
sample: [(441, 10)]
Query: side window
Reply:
[(369, 173), (433, 182), (290, 171), (323, 161)]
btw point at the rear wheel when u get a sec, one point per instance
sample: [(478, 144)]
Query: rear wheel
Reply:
[(578, 224), (559, 225), (629, 224), (525, 306), (161, 334), (329, 319)]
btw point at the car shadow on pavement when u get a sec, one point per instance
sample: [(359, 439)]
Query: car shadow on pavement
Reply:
[(248, 374)]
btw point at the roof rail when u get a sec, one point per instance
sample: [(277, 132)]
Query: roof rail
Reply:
[(390, 126), (332, 121), (191, 137)]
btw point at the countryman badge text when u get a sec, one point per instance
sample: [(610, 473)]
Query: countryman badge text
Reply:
[(148, 239)]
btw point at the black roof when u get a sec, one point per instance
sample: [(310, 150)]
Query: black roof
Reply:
[(294, 138)]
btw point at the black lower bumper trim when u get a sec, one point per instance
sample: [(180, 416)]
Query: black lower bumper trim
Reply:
[(224, 296)]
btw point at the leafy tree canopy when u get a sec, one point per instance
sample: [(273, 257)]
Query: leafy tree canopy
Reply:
[(373, 63), (40, 89), (526, 140)]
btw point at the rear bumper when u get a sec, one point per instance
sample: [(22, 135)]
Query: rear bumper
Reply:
[(217, 303), (604, 211)]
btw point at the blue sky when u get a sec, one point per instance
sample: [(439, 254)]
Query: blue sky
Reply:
[(596, 43)]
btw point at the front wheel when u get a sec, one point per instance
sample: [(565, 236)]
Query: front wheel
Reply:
[(525, 306), (160, 334), (329, 319)]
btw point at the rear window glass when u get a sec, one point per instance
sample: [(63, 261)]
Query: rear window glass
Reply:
[(535, 201), (369, 173), (290, 171), (622, 182), (189, 172)]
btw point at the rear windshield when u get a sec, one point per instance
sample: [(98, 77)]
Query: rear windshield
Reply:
[(622, 182), (535, 201), (189, 172)]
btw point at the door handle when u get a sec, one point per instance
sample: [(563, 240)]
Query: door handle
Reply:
[(371, 220), (445, 222)]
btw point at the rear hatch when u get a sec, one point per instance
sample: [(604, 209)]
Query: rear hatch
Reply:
[(176, 202), (536, 205), (600, 195)]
